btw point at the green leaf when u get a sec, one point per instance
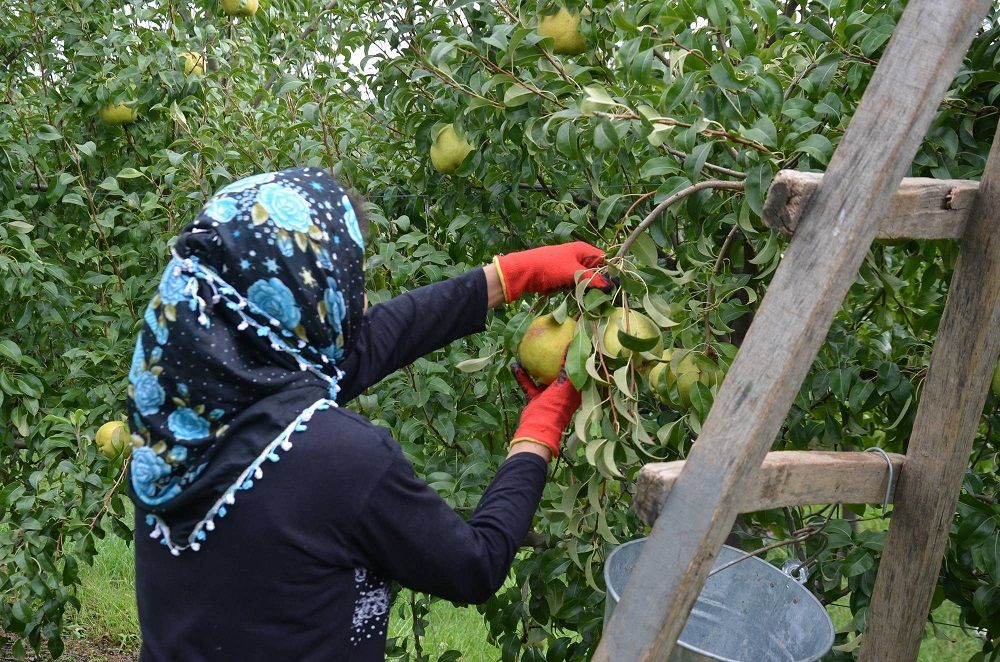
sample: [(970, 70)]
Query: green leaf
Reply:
[(560, 313), (724, 76), (474, 365), (516, 95), (757, 182), (605, 136), (659, 166), (48, 132), (88, 148), (644, 248), (818, 147), (580, 348)]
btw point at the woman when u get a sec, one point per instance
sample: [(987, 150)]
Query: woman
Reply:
[(269, 521)]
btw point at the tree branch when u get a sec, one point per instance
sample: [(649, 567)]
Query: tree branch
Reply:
[(675, 198)]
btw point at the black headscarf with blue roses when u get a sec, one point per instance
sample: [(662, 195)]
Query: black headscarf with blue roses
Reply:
[(240, 344)]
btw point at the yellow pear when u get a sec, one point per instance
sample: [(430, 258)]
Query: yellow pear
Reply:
[(194, 63), (564, 28), (116, 114), (449, 150), (635, 324), (239, 7), (543, 346), (112, 438)]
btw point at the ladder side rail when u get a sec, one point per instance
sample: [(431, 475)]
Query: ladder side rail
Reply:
[(807, 290), (948, 415)]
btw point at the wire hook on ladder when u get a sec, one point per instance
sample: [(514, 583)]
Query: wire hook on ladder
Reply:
[(888, 484)]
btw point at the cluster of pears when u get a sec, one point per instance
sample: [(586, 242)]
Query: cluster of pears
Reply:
[(449, 148), (125, 112), (673, 377), (670, 378), (545, 341)]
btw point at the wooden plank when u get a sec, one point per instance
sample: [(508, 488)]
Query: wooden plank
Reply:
[(807, 289), (943, 431), (922, 208), (786, 478)]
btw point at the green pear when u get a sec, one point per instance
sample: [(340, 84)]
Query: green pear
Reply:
[(112, 438), (634, 324), (692, 369), (449, 150), (564, 28)]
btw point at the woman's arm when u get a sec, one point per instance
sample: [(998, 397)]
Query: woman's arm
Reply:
[(395, 333), (406, 532), (494, 290)]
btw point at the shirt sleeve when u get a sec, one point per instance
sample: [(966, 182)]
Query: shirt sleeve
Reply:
[(395, 333), (409, 534)]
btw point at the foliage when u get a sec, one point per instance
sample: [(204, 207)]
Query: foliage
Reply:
[(669, 94)]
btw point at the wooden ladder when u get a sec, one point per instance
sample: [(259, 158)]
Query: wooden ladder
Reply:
[(835, 218)]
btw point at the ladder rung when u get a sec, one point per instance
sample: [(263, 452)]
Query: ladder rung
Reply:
[(922, 208), (787, 478)]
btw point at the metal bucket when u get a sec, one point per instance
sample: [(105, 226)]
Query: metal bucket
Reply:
[(748, 612)]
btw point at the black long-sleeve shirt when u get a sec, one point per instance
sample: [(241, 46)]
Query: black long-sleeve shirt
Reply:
[(299, 568)]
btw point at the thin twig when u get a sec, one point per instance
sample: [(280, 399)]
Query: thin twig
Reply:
[(675, 198), (669, 121), (710, 292), (722, 170)]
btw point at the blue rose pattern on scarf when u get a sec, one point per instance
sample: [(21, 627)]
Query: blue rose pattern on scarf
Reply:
[(276, 300), (160, 330), (138, 361), (149, 395), (262, 298), (147, 469), (351, 221), (187, 424), (221, 209), (335, 307), (173, 284), (287, 209)]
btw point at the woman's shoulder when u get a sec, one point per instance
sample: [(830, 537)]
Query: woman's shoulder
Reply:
[(348, 436)]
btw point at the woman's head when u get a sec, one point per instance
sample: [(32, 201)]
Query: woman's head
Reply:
[(292, 244), (263, 299)]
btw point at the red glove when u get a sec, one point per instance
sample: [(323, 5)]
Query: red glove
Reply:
[(549, 268), (548, 411)]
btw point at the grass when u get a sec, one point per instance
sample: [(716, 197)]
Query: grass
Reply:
[(107, 599), (108, 618)]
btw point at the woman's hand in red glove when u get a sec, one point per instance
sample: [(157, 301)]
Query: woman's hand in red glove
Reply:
[(548, 412), (549, 268)]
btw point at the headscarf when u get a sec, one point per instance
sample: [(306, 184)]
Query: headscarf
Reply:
[(261, 300)]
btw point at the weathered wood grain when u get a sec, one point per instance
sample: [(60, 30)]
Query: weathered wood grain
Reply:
[(807, 289), (786, 478), (922, 208), (943, 431)]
